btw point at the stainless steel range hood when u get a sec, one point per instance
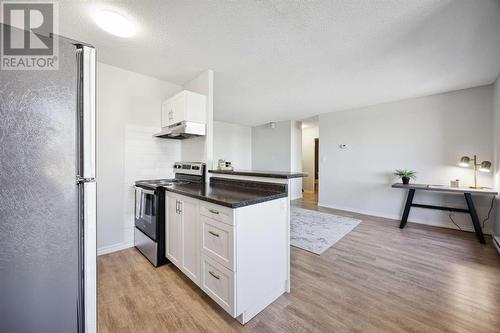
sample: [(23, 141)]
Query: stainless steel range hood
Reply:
[(182, 130)]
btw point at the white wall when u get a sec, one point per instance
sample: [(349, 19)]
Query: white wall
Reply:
[(279, 149), (271, 147), (308, 136), (200, 149), (296, 158), (427, 134), (128, 113), (233, 142), (496, 146)]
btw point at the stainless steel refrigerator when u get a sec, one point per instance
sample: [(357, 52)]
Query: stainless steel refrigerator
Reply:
[(48, 195)]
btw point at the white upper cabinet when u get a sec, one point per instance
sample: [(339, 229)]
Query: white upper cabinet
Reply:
[(185, 106)]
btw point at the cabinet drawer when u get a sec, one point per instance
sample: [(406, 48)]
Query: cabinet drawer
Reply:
[(218, 241), (217, 213), (218, 282)]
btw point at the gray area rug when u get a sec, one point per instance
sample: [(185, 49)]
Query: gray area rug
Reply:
[(316, 231)]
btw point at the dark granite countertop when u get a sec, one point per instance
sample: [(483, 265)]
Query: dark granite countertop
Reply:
[(256, 173), (230, 193)]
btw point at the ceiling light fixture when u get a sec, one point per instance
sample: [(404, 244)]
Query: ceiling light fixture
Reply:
[(114, 23)]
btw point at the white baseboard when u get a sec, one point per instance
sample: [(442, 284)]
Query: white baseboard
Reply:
[(496, 242), (360, 211), (468, 228), (114, 248)]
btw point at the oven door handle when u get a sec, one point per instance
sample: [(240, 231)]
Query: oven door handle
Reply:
[(140, 201), (143, 190)]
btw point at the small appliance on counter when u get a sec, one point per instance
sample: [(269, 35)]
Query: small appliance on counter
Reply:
[(224, 165), (149, 232)]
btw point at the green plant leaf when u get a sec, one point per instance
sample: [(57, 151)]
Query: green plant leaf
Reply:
[(405, 173)]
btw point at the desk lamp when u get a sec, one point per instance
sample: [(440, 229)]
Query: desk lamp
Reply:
[(484, 166)]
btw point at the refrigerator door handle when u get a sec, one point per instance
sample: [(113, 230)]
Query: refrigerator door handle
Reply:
[(81, 180), (85, 178), (86, 111), (88, 206)]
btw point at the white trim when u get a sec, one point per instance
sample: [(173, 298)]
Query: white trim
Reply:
[(496, 242), (114, 248), (288, 275), (360, 211)]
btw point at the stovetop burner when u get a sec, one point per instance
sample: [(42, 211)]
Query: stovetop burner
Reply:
[(161, 182), (185, 173)]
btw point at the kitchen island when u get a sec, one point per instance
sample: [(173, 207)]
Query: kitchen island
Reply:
[(276, 177), (231, 238)]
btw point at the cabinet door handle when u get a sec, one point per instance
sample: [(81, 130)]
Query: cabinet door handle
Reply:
[(213, 233), (213, 211), (177, 206), (180, 207), (214, 275)]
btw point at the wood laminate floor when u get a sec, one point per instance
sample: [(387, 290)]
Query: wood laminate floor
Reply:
[(378, 278)]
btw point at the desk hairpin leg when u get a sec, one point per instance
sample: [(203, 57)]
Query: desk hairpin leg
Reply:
[(406, 213), (475, 219)]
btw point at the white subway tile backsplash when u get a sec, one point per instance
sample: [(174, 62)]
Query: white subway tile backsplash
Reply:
[(146, 157)]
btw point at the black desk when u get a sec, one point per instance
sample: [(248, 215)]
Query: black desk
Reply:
[(467, 192)]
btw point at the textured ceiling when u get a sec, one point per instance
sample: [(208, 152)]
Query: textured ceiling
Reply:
[(276, 60)]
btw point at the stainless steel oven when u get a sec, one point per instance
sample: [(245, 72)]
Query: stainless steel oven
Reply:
[(149, 232)]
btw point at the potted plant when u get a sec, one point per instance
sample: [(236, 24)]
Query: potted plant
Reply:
[(405, 175)]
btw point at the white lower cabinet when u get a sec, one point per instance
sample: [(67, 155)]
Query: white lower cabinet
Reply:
[(190, 239), (182, 234), (238, 257), (173, 237)]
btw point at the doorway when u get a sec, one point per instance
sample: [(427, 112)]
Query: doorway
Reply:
[(310, 159), (316, 165)]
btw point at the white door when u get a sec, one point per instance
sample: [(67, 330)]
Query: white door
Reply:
[(173, 222), (190, 240)]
